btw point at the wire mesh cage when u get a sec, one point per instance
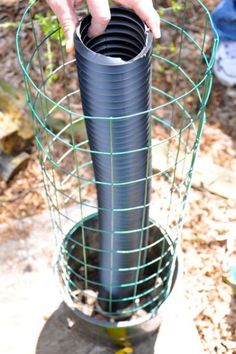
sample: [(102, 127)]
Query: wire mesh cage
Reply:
[(117, 207)]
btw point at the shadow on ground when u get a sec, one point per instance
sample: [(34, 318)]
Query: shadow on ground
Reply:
[(60, 336), (231, 318)]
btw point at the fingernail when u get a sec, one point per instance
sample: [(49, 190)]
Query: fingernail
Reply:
[(157, 34), (69, 46)]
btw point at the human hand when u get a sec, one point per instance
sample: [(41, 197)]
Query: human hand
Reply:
[(100, 12)]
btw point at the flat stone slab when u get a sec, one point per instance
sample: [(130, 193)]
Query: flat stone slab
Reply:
[(33, 319), (207, 175)]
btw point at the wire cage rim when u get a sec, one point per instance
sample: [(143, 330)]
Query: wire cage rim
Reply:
[(124, 323), (66, 295)]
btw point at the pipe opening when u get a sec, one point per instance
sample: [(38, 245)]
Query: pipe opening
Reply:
[(124, 37)]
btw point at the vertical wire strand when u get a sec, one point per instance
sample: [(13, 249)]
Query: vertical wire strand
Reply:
[(44, 113), (76, 164), (173, 118), (145, 214), (194, 104), (112, 250)]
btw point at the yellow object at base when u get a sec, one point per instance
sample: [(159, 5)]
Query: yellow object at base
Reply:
[(126, 350)]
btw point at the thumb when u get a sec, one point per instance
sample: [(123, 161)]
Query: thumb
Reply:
[(64, 10)]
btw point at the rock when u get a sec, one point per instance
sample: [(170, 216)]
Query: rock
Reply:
[(90, 297), (75, 133), (207, 175), (9, 165), (15, 126), (70, 322)]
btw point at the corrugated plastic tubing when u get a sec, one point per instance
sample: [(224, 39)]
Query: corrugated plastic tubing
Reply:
[(114, 72)]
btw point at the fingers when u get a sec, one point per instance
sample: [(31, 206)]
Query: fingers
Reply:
[(101, 15), (64, 10), (100, 11), (145, 10)]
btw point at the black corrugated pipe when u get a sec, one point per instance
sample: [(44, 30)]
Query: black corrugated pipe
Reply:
[(114, 72)]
